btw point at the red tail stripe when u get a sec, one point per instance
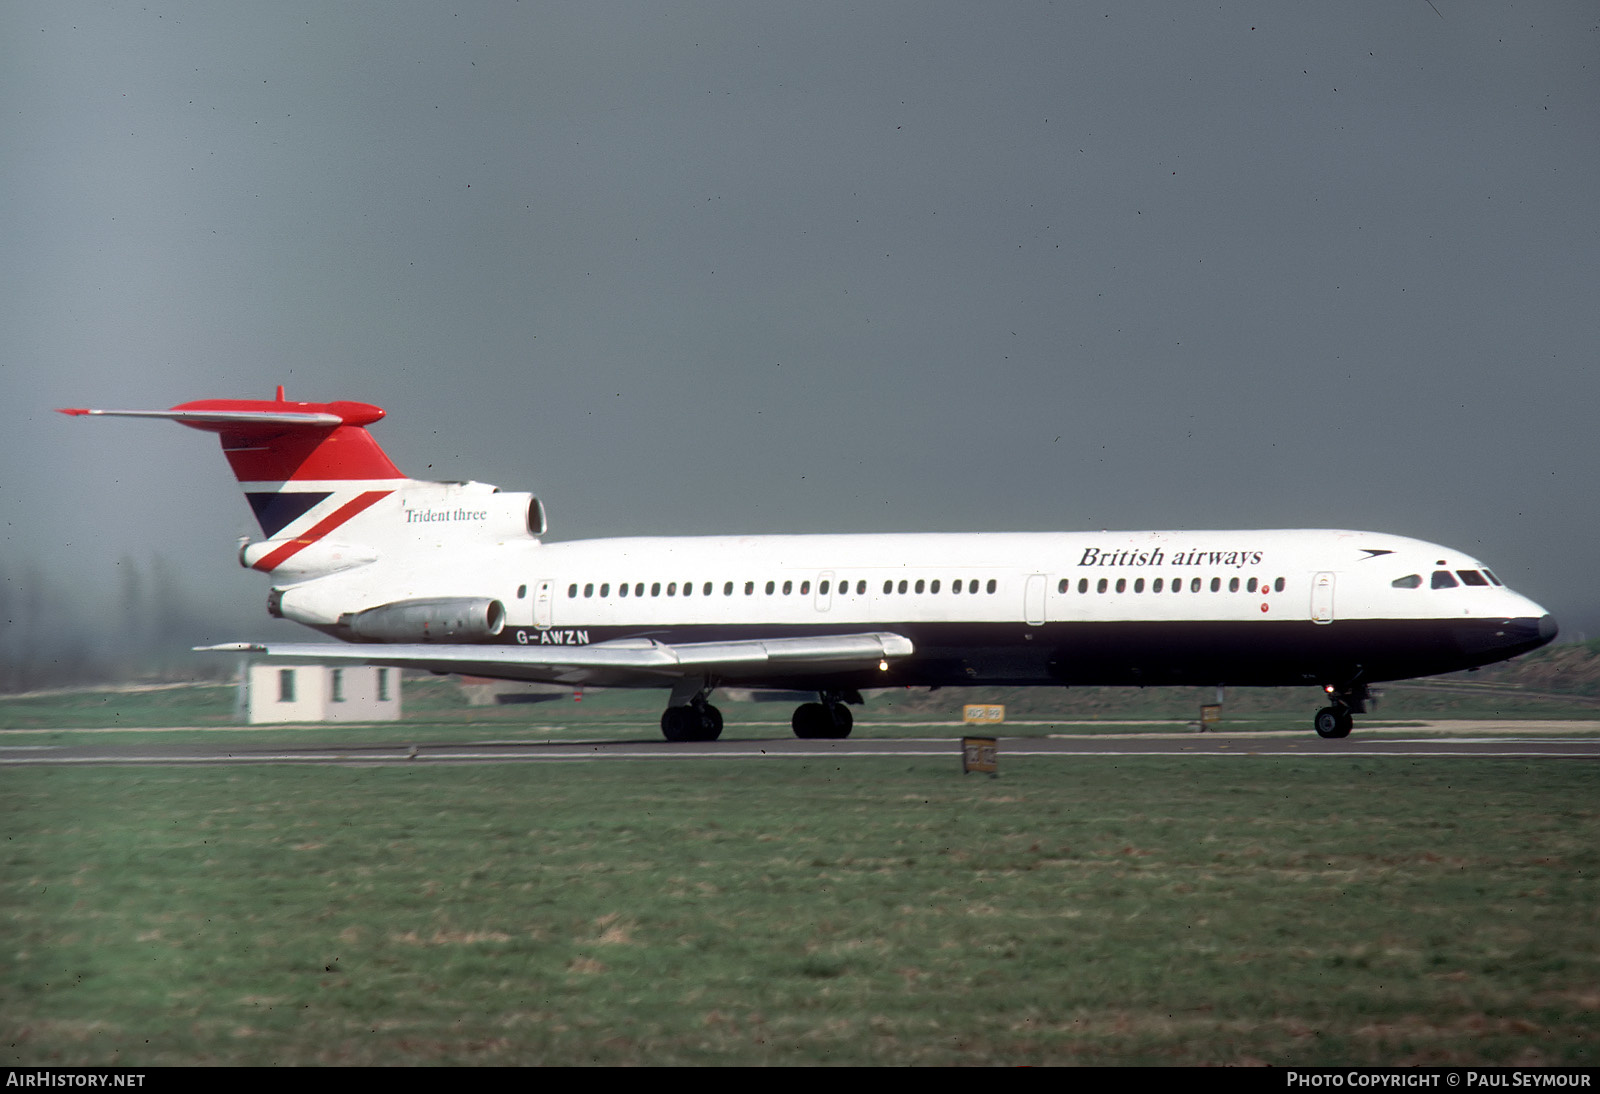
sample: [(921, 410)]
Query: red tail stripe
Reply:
[(327, 524)]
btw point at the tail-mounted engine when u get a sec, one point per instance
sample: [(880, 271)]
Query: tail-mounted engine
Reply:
[(450, 619)]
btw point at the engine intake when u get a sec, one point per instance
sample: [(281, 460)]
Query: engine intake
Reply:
[(447, 619)]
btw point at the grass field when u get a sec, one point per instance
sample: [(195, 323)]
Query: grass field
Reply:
[(794, 912)]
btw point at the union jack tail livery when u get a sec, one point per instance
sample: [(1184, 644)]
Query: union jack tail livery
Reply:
[(327, 497)]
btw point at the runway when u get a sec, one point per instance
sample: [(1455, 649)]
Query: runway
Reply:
[(1507, 740)]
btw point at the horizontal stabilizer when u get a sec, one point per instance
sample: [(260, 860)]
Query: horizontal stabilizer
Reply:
[(313, 419)]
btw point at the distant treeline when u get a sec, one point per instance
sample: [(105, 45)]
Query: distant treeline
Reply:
[(54, 633)]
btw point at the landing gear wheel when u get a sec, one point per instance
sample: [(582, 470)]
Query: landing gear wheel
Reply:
[(822, 721), (843, 721), (1333, 722), (810, 720), (710, 723), (691, 723), (679, 723)]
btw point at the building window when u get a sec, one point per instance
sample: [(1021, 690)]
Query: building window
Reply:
[(383, 685), (286, 685), (337, 686)]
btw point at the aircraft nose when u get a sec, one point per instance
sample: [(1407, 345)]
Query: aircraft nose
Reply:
[(1547, 627)]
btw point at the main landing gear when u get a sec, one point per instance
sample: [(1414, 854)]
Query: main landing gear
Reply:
[(696, 722), (828, 719), (1336, 721), (688, 716)]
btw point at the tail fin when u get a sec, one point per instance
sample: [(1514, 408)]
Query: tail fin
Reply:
[(291, 459)]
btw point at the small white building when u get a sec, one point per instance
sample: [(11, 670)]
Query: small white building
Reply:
[(319, 693)]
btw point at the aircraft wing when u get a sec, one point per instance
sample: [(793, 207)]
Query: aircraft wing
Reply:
[(623, 663)]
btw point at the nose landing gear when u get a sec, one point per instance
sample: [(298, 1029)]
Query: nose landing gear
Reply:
[(1336, 721)]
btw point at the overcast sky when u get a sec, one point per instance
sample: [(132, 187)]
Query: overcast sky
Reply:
[(813, 267)]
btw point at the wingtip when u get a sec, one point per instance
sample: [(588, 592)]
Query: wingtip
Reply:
[(75, 411)]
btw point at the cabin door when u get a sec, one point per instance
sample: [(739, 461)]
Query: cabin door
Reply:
[(1322, 598), (1033, 600), (543, 600)]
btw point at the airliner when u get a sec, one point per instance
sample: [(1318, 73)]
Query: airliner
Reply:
[(455, 577)]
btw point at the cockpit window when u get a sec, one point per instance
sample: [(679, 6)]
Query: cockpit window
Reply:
[(1472, 577), (1442, 579), (1490, 575), (1410, 581)]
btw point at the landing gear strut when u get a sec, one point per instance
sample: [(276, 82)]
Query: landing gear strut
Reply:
[(828, 719), (1336, 721), (690, 717)]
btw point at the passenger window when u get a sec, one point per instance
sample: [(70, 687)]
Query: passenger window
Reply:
[(920, 585), (588, 590), (1061, 586), (888, 587), (655, 588), (605, 590), (707, 590), (688, 588), (1443, 580), (638, 590), (727, 589), (934, 587), (788, 587), (522, 591), (1138, 585), (622, 589), (749, 588), (972, 586), (771, 585), (1250, 586), (861, 587), (1156, 585), (902, 585), (805, 588), (1233, 585), (1194, 585), (993, 585), (1277, 586), (1216, 584), (1102, 585), (1122, 584), (1410, 581), (672, 588), (572, 591), (823, 588), (955, 587), (1471, 577)]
